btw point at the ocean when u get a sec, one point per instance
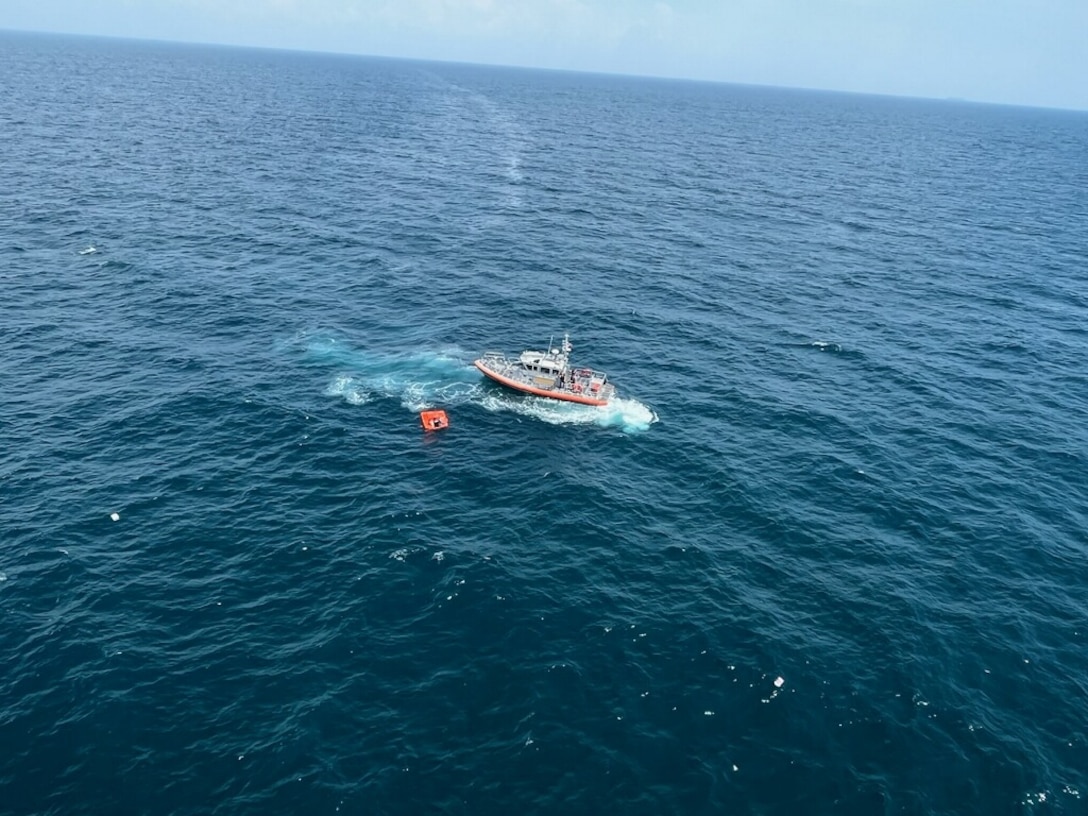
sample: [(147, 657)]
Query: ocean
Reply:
[(827, 551)]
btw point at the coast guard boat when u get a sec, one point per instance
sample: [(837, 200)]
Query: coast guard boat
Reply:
[(548, 374)]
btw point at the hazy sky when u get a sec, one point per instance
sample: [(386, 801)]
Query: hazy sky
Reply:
[(1032, 52)]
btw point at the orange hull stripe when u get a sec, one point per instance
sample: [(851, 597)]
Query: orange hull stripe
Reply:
[(540, 392)]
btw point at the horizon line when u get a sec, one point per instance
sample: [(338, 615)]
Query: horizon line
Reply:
[(617, 74)]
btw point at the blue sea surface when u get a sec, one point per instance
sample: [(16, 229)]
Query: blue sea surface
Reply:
[(826, 553)]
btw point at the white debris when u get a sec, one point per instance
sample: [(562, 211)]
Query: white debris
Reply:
[(779, 682), (115, 516)]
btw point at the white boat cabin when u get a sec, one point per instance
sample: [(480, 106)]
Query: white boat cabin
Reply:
[(544, 364)]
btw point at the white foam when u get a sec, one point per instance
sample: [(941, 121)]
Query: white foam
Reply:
[(350, 389), (419, 380), (629, 415)]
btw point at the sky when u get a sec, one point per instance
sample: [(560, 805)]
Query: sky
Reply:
[(1021, 52)]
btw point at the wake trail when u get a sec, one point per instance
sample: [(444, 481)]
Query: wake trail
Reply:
[(425, 379)]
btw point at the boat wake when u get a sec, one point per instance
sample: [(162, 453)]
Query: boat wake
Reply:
[(419, 380), (628, 415), (429, 379)]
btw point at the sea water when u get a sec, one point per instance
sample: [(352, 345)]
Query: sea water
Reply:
[(826, 553)]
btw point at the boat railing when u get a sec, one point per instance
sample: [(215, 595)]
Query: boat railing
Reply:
[(497, 361), (587, 373)]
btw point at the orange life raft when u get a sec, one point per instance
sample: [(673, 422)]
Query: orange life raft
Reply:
[(434, 420)]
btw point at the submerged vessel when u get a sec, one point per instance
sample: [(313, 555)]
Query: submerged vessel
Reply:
[(548, 374)]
